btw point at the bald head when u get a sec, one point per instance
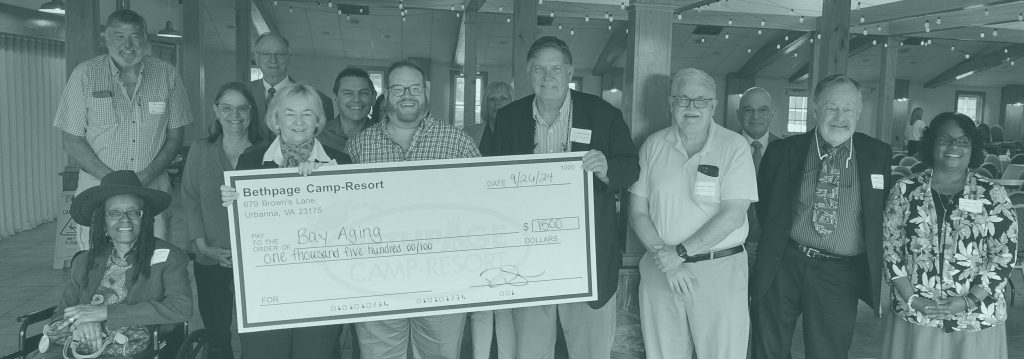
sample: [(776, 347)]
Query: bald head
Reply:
[(756, 112)]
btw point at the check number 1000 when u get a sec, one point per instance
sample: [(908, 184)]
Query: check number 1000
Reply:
[(552, 224)]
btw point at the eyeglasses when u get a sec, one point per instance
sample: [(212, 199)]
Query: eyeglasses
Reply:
[(684, 102), (399, 90), (962, 141), (228, 109), (115, 215), (267, 55)]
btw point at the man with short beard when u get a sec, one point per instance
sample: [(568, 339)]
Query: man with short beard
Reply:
[(410, 133), (123, 110), (355, 94)]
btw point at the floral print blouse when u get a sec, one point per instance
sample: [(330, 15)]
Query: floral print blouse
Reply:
[(976, 249)]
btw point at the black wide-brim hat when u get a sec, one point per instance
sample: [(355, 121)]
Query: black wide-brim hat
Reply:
[(115, 183)]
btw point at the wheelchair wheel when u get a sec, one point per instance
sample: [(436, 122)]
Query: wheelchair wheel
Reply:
[(196, 346)]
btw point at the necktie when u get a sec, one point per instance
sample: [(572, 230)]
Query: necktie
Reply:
[(755, 151), (826, 193), (270, 94)]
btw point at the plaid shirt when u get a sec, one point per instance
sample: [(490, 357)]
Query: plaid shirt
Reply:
[(433, 140), (124, 130)]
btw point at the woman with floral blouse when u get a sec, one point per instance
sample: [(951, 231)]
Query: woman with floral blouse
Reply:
[(950, 239)]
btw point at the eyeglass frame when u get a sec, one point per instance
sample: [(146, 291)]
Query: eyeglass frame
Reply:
[(946, 140), (676, 100), (121, 214), (409, 89), (241, 110)]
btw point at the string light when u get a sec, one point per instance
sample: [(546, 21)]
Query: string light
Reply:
[(727, 36), (559, 26), (730, 22), (627, 31), (819, 36), (275, 2), (622, 5), (938, 21), (778, 46), (759, 31), (348, 17), (679, 16), (762, 22), (572, 32), (787, 38), (981, 35), (552, 14), (607, 15), (796, 54), (290, 9), (792, 12), (858, 6), (927, 26), (878, 28), (339, 12), (609, 28), (586, 18), (401, 5), (748, 50), (501, 8), (862, 19), (865, 31), (874, 42), (403, 17), (700, 9), (986, 11), (801, 19), (702, 40), (457, 14), (995, 32), (1020, 16), (1011, 62), (952, 48), (611, 18), (463, 7), (812, 40), (540, 2), (453, 7), (885, 45), (967, 56), (508, 20), (330, 4)]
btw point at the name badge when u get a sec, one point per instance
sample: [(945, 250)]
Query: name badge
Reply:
[(102, 94), (705, 189), (159, 256), (157, 108), (877, 181), (970, 205), (579, 135)]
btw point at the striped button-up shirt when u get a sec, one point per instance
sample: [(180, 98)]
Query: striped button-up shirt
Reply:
[(553, 137), (125, 130), (433, 140), (848, 237)]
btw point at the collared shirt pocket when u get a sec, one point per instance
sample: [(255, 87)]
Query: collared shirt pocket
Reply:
[(101, 111), (707, 189)]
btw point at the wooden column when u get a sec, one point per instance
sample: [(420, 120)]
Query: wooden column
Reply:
[(83, 32), (191, 67), (648, 68), (832, 50), (469, 20), (884, 129), (524, 32), (243, 22)]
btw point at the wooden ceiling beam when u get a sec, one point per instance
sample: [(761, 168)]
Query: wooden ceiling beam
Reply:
[(976, 64), (918, 9), (1000, 14), (858, 44), (263, 17), (782, 46)]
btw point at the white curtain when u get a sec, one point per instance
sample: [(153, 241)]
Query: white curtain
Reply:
[(32, 76)]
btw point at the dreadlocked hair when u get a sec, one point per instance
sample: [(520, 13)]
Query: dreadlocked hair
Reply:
[(142, 251)]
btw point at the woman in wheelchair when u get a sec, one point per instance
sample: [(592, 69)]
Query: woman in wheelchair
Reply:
[(126, 281)]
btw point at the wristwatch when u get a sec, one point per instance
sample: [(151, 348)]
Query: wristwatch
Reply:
[(681, 251)]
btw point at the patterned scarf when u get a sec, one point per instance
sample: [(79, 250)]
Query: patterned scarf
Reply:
[(113, 288), (826, 192), (296, 154)]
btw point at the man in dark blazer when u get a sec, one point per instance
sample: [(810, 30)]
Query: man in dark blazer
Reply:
[(272, 57), (756, 114), (822, 195), (555, 119)]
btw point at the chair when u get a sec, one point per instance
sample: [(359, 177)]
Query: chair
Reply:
[(918, 167), (896, 176), (1017, 159), (992, 169), (1013, 172), (903, 171), (908, 162), (993, 159), (997, 133), (896, 159), (984, 173), (1017, 198)]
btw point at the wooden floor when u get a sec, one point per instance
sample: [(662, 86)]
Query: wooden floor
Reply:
[(27, 283)]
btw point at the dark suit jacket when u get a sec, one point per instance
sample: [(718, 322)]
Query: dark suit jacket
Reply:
[(514, 135), (754, 232), (165, 297), (778, 185), (260, 93), (252, 158)]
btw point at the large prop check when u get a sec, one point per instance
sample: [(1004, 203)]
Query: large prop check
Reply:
[(356, 243)]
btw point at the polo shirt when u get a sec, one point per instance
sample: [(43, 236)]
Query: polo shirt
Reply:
[(669, 180)]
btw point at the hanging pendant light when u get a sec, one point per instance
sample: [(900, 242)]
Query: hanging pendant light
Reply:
[(53, 7), (169, 31)]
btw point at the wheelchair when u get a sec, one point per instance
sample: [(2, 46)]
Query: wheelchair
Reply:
[(169, 341)]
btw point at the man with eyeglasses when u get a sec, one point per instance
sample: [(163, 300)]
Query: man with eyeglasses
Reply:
[(689, 210), (123, 110), (555, 119), (272, 57), (354, 91), (822, 197), (756, 113), (410, 133)]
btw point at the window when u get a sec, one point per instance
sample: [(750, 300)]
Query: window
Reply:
[(576, 83), (255, 74), (377, 77), (458, 96), (797, 114), (970, 104)]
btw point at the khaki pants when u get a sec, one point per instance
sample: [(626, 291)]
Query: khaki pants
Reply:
[(160, 226), (589, 333), (711, 322), (433, 337)]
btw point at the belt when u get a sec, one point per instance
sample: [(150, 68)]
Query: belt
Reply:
[(814, 253), (713, 255)]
